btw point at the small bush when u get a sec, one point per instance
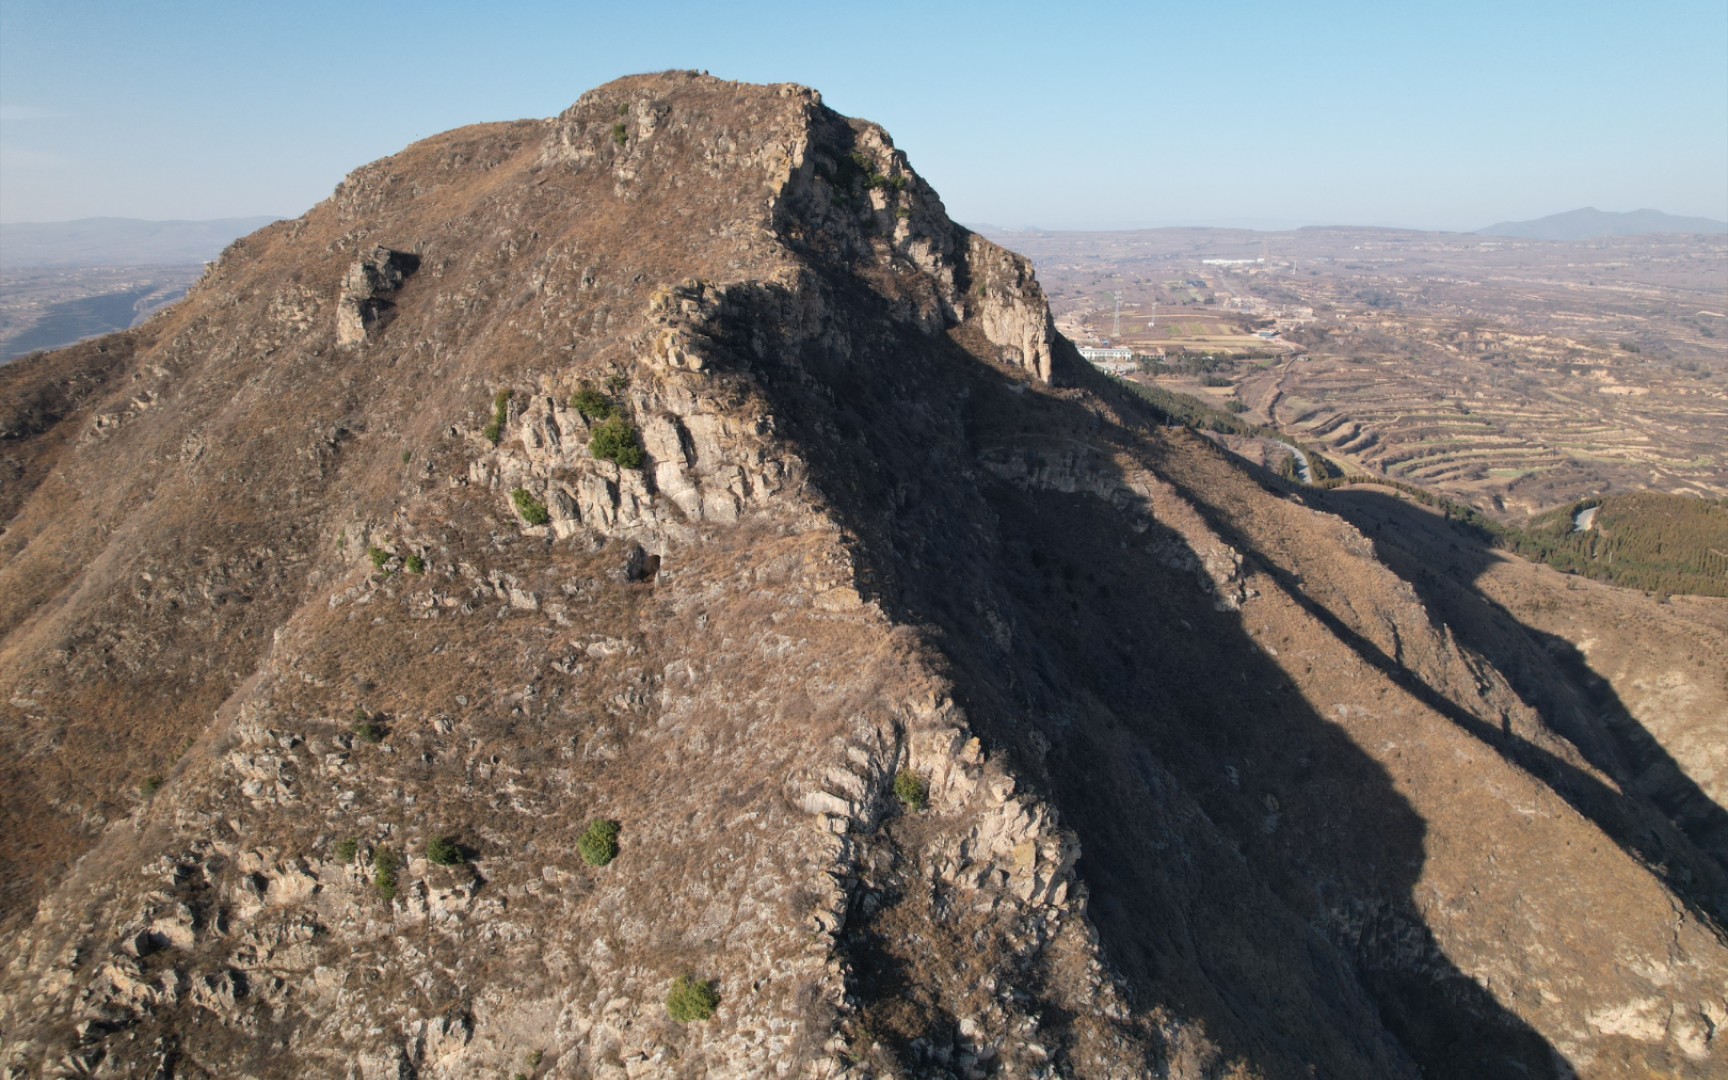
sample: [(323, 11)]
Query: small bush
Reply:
[(346, 851), (443, 851), (691, 999), (533, 511), (620, 133), (494, 431), (151, 785), (615, 441), (380, 558), (911, 790), (385, 863), (599, 845), (365, 730), (875, 181), (415, 565), (592, 404), (616, 383)]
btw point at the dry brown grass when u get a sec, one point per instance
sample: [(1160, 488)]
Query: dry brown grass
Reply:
[(1334, 888)]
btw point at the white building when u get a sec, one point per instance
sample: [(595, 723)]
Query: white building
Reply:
[(1117, 361)]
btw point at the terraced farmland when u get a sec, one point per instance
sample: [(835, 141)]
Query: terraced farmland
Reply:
[(1513, 375), (1504, 434)]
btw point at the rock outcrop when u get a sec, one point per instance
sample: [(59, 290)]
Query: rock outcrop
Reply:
[(676, 463), (365, 303)]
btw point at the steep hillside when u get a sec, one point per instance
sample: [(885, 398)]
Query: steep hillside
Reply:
[(677, 463)]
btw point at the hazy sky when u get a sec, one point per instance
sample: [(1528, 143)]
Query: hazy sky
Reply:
[(1450, 115)]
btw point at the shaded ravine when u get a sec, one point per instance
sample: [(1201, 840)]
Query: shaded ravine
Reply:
[(1685, 839), (1119, 688)]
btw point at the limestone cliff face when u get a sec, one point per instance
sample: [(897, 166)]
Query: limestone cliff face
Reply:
[(676, 462)]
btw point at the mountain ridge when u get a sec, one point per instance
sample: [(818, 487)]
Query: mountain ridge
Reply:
[(1589, 223), (887, 523)]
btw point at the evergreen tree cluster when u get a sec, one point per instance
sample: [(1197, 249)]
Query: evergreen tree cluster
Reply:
[(1645, 540)]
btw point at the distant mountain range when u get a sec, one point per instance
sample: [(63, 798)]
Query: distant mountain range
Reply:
[(109, 241), (1590, 223), (106, 241)]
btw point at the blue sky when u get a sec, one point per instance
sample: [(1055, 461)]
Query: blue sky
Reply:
[(1103, 115)]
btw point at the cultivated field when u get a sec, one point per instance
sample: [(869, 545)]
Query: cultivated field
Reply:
[(1511, 374)]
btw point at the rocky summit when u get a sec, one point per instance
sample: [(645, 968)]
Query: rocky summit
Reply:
[(643, 594)]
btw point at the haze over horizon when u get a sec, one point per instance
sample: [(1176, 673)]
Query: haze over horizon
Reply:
[(1250, 115)]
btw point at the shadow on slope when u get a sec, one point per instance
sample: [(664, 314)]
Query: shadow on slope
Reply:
[(1660, 816), (1249, 867)]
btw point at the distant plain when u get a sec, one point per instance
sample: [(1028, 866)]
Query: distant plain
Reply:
[(1514, 375)]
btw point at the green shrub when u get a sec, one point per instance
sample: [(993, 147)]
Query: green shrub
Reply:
[(620, 133), (599, 844), (911, 790), (500, 413), (385, 863), (592, 404), (415, 565), (443, 851), (346, 850), (615, 441), (368, 732), (858, 166), (380, 558), (691, 999), (151, 785), (533, 511)]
